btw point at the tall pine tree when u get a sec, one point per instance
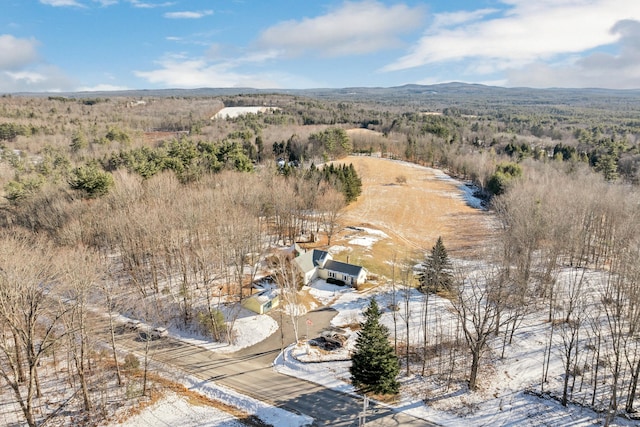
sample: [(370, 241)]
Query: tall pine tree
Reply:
[(374, 366), (437, 272)]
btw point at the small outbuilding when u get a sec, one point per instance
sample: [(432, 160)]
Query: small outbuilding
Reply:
[(262, 302)]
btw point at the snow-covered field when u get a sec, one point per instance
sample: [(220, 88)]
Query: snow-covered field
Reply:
[(233, 112)]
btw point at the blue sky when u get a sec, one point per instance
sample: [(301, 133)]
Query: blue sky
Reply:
[(71, 45)]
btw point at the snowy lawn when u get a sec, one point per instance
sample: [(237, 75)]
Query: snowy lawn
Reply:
[(249, 329)]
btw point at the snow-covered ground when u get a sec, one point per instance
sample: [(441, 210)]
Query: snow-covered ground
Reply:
[(176, 411), (250, 328), (506, 385), (467, 190), (501, 400), (233, 112), (503, 397), (370, 237)]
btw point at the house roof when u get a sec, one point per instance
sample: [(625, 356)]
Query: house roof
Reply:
[(265, 296), (344, 268), (298, 249), (312, 259)]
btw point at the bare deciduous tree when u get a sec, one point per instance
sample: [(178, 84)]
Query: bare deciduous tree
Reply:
[(27, 276), (479, 314), (288, 283), (330, 204)]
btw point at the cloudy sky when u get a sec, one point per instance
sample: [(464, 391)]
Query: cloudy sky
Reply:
[(71, 45)]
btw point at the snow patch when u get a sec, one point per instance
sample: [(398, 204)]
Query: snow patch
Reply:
[(174, 410), (249, 330), (337, 249), (267, 413), (364, 241), (325, 292)]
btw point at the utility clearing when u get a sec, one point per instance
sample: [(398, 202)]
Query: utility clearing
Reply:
[(414, 205)]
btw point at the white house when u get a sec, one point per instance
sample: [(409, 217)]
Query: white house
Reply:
[(315, 263)]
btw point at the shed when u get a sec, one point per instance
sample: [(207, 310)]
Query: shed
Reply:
[(263, 301)]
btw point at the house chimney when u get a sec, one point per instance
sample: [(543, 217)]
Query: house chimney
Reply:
[(348, 259)]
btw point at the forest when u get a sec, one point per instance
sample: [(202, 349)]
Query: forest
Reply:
[(141, 203)]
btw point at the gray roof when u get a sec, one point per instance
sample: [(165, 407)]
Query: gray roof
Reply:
[(309, 260), (265, 296), (343, 267), (319, 257)]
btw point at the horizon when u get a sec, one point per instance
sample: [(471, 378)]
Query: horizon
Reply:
[(74, 46), (281, 91)]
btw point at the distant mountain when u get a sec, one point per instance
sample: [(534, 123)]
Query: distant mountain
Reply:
[(434, 96)]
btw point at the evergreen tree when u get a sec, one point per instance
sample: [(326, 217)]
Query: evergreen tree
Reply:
[(354, 183), (78, 141), (436, 274), (374, 365), (343, 178), (91, 179)]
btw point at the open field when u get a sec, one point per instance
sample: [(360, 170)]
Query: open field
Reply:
[(412, 214)]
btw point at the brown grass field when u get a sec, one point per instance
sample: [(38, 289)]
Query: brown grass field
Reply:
[(412, 213)]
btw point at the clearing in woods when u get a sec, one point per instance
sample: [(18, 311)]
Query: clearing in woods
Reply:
[(412, 205)]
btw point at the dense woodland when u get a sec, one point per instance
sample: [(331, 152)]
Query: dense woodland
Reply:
[(148, 206)]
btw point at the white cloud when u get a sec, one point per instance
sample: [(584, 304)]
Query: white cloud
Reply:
[(354, 28), (16, 53), (62, 3), (449, 19), (28, 77), (21, 69), (37, 79), (101, 88), (526, 31), (620, 71), (188, 14), (144, 5), (105, 3), (181, 72)]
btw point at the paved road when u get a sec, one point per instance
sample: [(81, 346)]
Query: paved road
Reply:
[(249, 372)]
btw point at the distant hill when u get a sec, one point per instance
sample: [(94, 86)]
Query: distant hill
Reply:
[(443, 95)]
